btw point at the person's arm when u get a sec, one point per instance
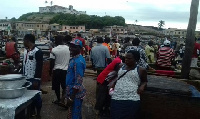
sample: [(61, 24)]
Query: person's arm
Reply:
[(16, 48), (108, 58), (91, 58), (39, 64), (143, 79), (147, 51), (52, 63)]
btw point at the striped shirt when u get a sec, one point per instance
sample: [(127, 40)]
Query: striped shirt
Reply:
[(165, 55)]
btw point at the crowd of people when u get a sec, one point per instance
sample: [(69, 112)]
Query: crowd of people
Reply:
[(121, 71)]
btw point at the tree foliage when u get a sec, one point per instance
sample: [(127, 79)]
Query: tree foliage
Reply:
[(90, 21), (161, 24), (24, 17)]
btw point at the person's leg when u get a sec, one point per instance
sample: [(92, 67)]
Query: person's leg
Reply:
[(56, 85), (33, 113), (37, 103), (107, 101), (63, 81), (100, 98), (75, 110), (135, 107)]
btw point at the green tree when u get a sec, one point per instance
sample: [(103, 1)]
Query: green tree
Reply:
[(13, 19), (90, 21), (161, 24)]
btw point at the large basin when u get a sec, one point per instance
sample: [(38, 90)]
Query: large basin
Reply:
[(11, 81), (14, 93)]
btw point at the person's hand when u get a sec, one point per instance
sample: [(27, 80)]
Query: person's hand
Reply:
[(69, 102), (140, 89), (35, 85)]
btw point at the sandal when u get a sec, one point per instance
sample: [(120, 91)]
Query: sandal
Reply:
[(63, 105), (56, 101)]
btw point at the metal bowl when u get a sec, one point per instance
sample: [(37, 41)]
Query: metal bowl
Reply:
[(14, 93), (11, 81)]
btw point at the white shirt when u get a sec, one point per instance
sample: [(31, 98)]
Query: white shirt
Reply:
[(61, 54)]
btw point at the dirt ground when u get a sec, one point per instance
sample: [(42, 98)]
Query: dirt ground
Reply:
[(52, 111)]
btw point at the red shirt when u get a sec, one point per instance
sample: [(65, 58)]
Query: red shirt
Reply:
[(10, 49), (165, 55), (102, 76), (196, 47)]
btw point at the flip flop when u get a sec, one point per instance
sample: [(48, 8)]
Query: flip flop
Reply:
[(56, 102), (63, 105)]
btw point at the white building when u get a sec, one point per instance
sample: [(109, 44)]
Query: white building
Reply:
[(60, 9), (5, 26), (180, 33)]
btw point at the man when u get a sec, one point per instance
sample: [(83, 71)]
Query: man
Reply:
[(82, 40), (75, 90), (11, 50), (149, 50), (126, 43), (165, 56), (115, 48), (32, 68), (100, 57), (60, 56), (106, 43), (143, 58)]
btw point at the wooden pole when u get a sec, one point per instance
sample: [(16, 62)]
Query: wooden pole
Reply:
[(190, 39)]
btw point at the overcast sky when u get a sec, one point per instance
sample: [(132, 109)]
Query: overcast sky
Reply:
[(175, 13)]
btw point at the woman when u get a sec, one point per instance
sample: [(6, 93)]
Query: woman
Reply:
[(125, 101)]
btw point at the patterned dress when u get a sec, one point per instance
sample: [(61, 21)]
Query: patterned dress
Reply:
[(74, 80), (125, 101)]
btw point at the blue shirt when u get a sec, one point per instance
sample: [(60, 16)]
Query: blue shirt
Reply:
[(74, 78), (99, 54)]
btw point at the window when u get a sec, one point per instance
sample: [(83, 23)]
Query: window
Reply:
[(179, 32), (73, 27), (0, 24), (81, 27), (42, 25), (76, 27), (65, 27), (37, 25), (122, 29), (54, 27), (70, 27), (117, 29), (17, 24), (182, 32)]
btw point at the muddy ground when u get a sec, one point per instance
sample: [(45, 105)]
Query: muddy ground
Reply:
[(53, 111)]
